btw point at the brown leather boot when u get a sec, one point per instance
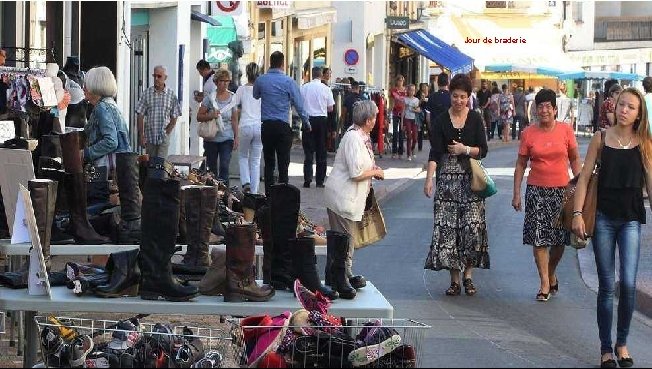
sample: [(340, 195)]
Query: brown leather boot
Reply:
[(80, 228), (214, 281), (44, 198), (71, 145), (240, 277)]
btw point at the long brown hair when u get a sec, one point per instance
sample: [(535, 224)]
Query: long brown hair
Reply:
[(641, 126)]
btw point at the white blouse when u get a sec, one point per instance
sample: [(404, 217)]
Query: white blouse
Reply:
[(344, 196)]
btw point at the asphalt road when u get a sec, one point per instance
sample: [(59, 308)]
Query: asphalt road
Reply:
[(503, 325)]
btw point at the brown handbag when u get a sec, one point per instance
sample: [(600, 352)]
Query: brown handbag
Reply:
[(590, 201), (372, 226)]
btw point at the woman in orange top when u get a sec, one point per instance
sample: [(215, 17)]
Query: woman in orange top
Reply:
[(549, 146)]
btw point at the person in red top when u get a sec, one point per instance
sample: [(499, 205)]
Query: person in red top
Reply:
[(397, 95), (608, 107), (549, 146)]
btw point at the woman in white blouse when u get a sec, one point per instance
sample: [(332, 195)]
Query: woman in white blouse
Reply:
[(347, 187), (251, 145)]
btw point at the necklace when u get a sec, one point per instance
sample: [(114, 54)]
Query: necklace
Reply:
[(621, 144)]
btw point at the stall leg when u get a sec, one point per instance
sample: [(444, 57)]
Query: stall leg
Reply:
[(31, 342), (21, 333)]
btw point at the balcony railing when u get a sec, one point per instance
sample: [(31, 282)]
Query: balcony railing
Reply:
[(623, 29)]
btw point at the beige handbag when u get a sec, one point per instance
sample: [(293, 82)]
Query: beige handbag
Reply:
[(209, 129), (478, 178), (372, 226)]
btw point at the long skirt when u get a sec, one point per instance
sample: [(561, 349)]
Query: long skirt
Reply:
[(459, 237)]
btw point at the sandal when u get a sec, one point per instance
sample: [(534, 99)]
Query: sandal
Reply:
[(543, 297), (454, 289), (555, 289), (469, 288)]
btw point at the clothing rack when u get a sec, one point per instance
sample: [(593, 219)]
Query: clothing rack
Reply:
[(35, 71)]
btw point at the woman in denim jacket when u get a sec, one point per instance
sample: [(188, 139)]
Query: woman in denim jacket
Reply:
[(106, 130)]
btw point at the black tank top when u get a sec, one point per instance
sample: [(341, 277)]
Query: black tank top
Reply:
[(620, 184)]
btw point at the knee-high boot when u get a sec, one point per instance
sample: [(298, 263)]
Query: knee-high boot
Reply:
[(159, 227), (199, 205), (285, 200), (58, 237), (240, 277), (264, 223), (337, 248), (305, 264), (44, 198), (251, 203), (130, 198)]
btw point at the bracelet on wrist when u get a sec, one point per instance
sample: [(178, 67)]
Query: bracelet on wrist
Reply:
[(577, 213), (468, 151)]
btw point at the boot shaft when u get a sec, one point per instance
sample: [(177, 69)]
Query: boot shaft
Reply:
[(43, 193), (50, 146), (240, 248), (160, 216), (199, 203), (337, 245), (127, 180), (58, 176), (71, 145)]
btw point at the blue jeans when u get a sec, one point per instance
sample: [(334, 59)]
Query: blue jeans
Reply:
[(222, 151), (627, 234)]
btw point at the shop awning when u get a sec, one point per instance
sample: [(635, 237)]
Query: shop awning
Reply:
[(195, 15), (526, 69), (219, 38), (600, 75), (424, 43)]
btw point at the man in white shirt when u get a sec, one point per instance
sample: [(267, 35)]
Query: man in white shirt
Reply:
[(564, 106), (205, 71), (318, 101)]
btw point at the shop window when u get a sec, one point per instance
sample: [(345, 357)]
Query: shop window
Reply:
[(261, 31), (577, 12)]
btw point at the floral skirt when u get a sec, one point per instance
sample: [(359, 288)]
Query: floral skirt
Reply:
[(459, 236)]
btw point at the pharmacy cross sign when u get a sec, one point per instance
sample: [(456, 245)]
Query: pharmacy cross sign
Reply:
[(228, 6)]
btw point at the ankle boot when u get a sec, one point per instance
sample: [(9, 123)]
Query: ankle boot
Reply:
[(337, 248), (199, 204), (80, 228), (71, 145), (251, 203), (285, 200), (160, 225), (44, 198), (214, 281), (124, 275), (264, 223), (305, 264), (130, 198), (240, 278)]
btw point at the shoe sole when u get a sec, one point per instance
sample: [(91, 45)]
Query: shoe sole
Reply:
[(239, 297), (368, 354)]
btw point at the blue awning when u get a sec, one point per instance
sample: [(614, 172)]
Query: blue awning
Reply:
[(424, 43), (600, 75)]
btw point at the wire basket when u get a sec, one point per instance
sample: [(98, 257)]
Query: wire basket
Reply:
[(281, 341), (81, 342)]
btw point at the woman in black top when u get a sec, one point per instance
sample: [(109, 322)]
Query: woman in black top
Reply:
[(459, 240), (626, 166)]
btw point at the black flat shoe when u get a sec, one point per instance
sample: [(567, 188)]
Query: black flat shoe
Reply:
[(555, 289), (626, 362), (611, 363)]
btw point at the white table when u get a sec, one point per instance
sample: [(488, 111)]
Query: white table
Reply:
[(368, 303)]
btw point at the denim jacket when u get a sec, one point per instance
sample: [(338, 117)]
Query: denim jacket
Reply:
[(106, 133)]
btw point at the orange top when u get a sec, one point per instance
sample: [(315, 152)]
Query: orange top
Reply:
[(548, 154)]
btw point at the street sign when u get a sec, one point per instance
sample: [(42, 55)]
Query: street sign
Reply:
[(397, 22), (273, 4), (351, 57), (229, 7), (351, 69)]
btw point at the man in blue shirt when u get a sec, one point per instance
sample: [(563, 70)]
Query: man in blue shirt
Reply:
[(277, 93)]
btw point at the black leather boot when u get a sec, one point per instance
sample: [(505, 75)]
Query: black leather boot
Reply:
[(305, 264), (199, 204), (240, 278), (160, 225), (264, 223), (337, 247), (130, 198), (251, 202), (124, 275), (285, 200), (50, 146)]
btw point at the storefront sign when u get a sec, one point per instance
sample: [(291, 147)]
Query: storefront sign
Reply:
[(397, 22), (351, 57), (273, 4)]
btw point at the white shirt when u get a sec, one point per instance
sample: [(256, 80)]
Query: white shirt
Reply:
[(209, 85), (250, 107), (564, 108), (317, 97)]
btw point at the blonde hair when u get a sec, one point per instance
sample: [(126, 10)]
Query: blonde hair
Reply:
[(221, 74), (642, 126)]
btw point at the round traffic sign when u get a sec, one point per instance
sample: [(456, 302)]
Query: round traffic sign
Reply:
[(228, 6), (351, 57)]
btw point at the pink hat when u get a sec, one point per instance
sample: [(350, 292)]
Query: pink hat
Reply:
[(269, 338)]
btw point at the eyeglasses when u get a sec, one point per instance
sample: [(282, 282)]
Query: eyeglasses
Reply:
[(222, 80), (157, 75)]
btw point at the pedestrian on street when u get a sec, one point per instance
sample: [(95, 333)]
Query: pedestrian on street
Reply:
[(520, 116), (206, 73), (626, 164), (647, 87), (459, 237), (608, 107), (408, 120), (397, 96), (347, 107), (549, 146), (251, 145), (161, 106), (506, 105), (222, 103), (422, 117), (353, 168), (483, 99), (318, 102), (277, 93), (439, 101)]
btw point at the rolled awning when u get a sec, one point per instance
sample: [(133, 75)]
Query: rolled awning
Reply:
[(426, 44), (195, 15)]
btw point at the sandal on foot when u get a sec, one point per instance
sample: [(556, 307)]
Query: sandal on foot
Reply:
[(469, 288), (454, 289), (543, 297), (555, 289)]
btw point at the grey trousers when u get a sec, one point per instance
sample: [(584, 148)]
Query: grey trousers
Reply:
[(340, 224), (160, 151)]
